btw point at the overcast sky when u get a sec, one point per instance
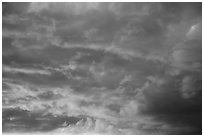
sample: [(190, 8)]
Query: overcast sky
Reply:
[(102, 68)]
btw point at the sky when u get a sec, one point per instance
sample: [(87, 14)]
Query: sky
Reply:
[(102, 68)]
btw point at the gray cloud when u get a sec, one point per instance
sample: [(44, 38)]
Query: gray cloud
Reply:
[(15, 120), (116, 68), (187, 54)]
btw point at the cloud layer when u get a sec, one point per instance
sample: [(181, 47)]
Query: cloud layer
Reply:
[(102, 68)]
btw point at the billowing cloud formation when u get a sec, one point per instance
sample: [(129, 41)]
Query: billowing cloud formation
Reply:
[(102, 68)]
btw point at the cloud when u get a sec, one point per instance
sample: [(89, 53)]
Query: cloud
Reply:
[(187, 54), (15, 94), (26, 71), (53, 100), (195, 32), (119, 24), (89, 125), (15, 120), (14, 8), (130, 109), (119, 68), (190, 86), (172, 98)]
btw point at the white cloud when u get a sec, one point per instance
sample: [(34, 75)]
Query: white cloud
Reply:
[(89, 126), (195, 32), (25, 70), (130, 109)]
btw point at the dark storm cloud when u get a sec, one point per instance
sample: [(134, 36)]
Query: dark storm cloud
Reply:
[(172, 100), (166, 100), (133, 68), (14, 8), (191, 121)]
